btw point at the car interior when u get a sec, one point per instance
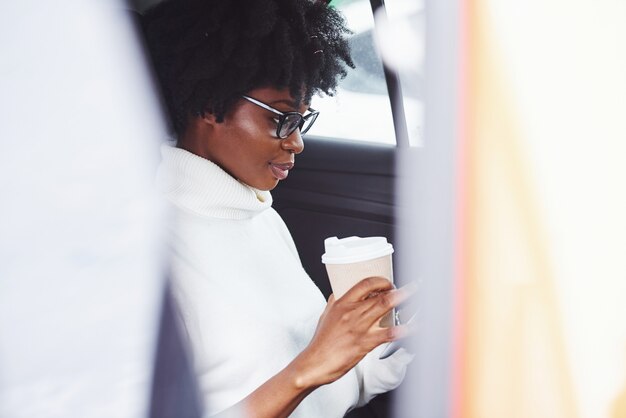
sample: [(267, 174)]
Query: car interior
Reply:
[(343, 184)]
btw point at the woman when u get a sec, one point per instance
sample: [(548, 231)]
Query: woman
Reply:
[(238, 77)]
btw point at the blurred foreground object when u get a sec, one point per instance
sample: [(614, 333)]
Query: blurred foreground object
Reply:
[(545, 232), (528, 100), (81, 263)]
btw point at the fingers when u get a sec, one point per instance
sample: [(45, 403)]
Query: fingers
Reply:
[(366, 287), (372, 298), (385, 335), (382, 303), (375, 296), (375, 307)]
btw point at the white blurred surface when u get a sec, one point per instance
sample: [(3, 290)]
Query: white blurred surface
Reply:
[(80, 247), (567, 78), (427, 196)]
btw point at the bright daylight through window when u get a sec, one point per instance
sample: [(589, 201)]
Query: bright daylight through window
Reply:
[(361, 109)]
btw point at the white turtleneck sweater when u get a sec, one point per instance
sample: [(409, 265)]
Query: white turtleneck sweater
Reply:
[(248, 306)]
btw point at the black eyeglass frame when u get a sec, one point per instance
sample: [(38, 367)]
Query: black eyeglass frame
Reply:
[(282, 117)]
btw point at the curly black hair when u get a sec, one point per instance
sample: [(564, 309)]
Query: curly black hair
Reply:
[(207, 53)]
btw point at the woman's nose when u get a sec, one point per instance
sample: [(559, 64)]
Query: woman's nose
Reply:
[(293, 142)]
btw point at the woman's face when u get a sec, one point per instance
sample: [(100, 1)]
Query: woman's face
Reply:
[(245, 143)]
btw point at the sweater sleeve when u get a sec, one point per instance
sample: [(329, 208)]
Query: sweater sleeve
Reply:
[(379, 376)]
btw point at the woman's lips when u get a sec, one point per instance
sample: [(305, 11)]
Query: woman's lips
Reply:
[(281, 170)]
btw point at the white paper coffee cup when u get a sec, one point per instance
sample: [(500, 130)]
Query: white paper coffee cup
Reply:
[(352, 259)]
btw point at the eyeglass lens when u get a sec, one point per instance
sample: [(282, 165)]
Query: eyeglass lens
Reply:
[(291, 122)]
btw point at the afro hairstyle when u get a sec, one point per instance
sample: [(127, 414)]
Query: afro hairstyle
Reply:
[(207, 53)]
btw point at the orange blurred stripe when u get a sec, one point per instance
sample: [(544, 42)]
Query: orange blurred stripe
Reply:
[(511, 353)]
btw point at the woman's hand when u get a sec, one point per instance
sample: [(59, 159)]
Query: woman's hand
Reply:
[(349, 329)]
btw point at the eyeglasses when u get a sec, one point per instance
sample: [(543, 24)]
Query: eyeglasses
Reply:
[(288, 122)]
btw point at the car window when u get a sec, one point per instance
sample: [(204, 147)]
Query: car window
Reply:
[(360, 110), (403, 37)]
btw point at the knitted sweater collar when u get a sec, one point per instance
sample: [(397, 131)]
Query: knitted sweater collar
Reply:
[(202, 187)]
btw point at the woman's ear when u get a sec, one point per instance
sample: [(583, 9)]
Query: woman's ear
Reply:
[(199, 124), (198, 134), (207, 117)]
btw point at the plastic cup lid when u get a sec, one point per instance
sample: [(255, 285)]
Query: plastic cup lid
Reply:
[(355, 249)]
